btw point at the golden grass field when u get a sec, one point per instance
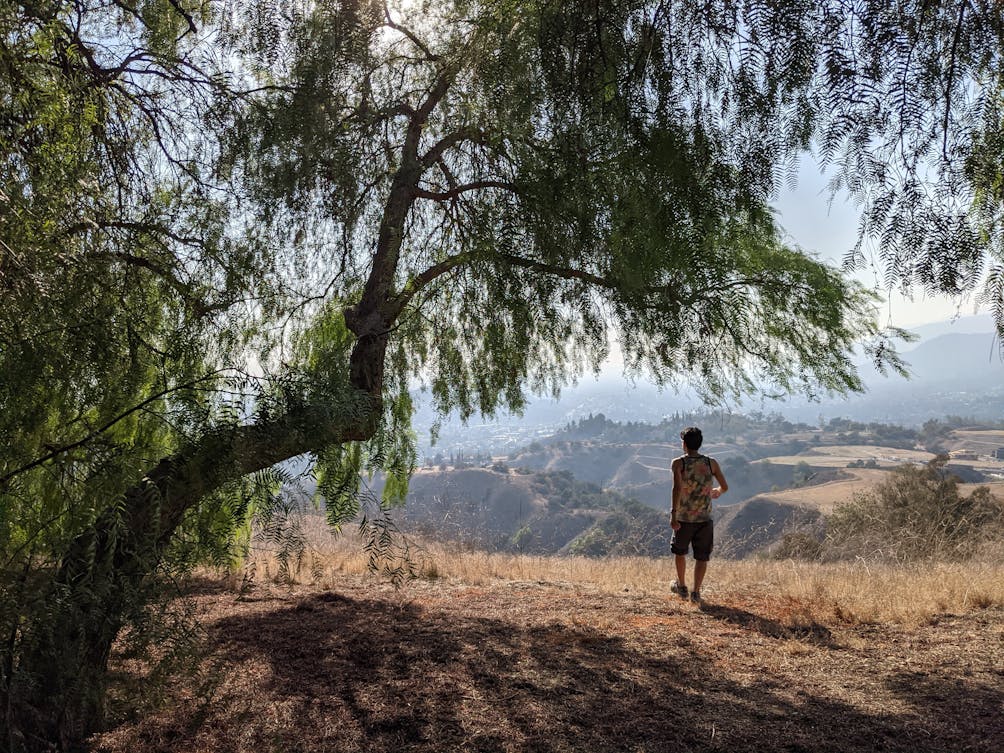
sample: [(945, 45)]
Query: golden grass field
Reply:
[(826, 496), (856, 590), (979, 440), (838, 456)]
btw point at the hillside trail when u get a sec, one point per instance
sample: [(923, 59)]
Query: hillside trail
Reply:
[(553, 667)]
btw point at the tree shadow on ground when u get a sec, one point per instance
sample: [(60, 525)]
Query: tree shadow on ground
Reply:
[(807, 630), (338, 674), (978, 719)]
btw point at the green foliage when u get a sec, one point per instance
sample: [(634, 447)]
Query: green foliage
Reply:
[(218, 532), (622, 526), (521, 538), (590, 222), (801, 474), (341, 469), (564, 491), (869, 463), (115, 267)]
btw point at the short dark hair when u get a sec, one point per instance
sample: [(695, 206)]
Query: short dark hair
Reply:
[(692, 437)]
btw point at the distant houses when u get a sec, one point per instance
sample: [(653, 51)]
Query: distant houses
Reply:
[(967, 454), (964, 455)]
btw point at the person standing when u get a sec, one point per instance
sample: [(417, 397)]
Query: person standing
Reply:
[(694, 475)]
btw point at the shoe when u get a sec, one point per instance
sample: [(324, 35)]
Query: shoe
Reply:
[(695, 596), (681, 591)]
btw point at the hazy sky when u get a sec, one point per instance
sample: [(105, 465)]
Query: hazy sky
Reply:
[(829, 229)]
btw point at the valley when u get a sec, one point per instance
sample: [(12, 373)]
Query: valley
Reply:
[(602, 487)]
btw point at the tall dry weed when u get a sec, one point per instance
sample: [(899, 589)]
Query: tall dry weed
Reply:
[(852, 591), (915, 514)]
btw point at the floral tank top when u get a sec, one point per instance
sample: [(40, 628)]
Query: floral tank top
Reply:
[(695, 494)]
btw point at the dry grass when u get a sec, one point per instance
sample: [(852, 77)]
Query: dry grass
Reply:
[(853, 591), (826, 496), (838, 456), (859, 592), (581, 662)]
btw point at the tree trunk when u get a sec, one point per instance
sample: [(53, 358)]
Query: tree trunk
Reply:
[(107, 567)]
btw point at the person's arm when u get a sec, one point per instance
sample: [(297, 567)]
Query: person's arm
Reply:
[(723, 485), (677, 487)]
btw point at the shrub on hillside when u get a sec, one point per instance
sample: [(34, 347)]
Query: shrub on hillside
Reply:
[(916, 513), (797, 545), (631, 529)]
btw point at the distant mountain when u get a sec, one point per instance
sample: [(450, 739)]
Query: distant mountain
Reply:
[(966, 360), (965, 325), (956, 369)]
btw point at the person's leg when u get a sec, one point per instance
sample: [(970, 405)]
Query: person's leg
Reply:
[(679, 547), (700, 568), (681, 569), (704, 543)]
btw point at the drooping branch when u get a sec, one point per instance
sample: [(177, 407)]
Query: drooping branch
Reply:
[(420, 281), (568, 273), (456, 191), (197, 305), (437, 150), (950, 82), (412, 37), (164, 271), (427, 276), (55, 452), (152, 228)]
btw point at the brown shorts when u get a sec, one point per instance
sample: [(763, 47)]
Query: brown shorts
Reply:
[(700, 535)]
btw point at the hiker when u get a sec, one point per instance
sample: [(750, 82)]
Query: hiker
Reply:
[(693, 490)]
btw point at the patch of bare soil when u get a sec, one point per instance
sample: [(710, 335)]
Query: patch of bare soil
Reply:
[(551, 667)]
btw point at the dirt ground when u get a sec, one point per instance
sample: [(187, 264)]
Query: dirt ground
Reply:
[(553, 667)]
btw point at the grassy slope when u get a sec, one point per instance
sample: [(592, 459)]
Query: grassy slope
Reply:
[(533, 654), (824, 497)]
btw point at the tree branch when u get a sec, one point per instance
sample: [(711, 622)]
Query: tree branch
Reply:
[(419, 281), (153, 228), (390, 23), (455, 191), (567, 273), (951, 76), (192, 28), (475, 135), (57, 451)]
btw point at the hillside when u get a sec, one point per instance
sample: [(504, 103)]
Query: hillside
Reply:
[(510, 666), (578, 490), (641, 470), (551, 512), (575, 496), (546, 512)]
